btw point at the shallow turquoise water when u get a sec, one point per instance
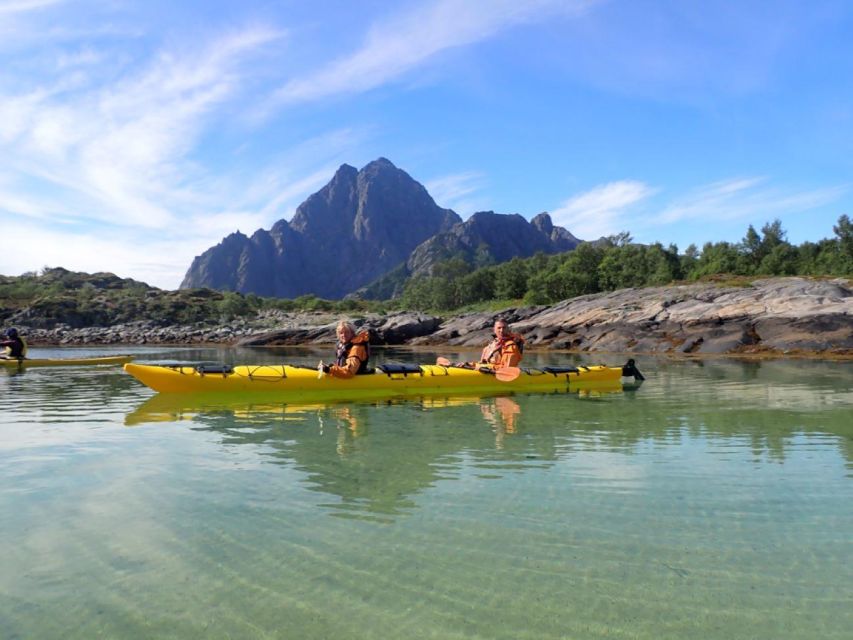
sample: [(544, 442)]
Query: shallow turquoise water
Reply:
[(715, 501)]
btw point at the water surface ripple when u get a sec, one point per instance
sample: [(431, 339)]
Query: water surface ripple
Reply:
[(714, 501)]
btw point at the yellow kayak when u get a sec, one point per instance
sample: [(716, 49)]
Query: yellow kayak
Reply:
[(248, 408), (388, 380), (64, 362)]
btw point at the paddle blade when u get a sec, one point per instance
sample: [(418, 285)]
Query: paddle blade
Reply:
[(442, 362), (507, 374)]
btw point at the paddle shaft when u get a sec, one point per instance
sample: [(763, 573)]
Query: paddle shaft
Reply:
[(503, 374)]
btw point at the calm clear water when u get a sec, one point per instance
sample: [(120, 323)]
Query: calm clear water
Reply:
[(716, 501)]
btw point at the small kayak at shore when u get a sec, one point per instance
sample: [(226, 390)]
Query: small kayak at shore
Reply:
[(64, 362), (388, 380)]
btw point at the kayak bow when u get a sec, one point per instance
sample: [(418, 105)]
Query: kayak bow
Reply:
[(63, 362)]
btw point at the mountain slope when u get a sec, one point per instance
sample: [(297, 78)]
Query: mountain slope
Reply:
[(376, 225), (490, 236), (356, 228)]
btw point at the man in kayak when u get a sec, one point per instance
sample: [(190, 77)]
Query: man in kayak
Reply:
[(351, 354), (15, 347), (505, 350)]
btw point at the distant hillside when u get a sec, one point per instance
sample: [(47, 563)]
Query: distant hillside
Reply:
[(373, 227), (61, 298)]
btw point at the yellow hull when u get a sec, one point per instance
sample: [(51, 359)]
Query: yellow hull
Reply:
[(300, 383), (249, 408), (64, 362)]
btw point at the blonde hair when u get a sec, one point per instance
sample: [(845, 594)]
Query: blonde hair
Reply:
[(347, 326)]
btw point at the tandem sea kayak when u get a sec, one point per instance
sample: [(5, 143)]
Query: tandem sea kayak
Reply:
[(388, 380), (63, 362)]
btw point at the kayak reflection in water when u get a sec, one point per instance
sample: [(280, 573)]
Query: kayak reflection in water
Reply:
[(501, 413), (15, 346), (349, 428)]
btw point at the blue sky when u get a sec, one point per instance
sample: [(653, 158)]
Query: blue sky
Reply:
[(134, 135)]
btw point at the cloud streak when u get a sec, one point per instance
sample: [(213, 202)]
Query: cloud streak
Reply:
[(457, 191), (631, 205), (101, 152), (602, 210), (121, 151), (399, 45), (743, 198), (24, 6)]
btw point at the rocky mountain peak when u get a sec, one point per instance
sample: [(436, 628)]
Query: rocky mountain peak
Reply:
[(543, 223), (359, 227)]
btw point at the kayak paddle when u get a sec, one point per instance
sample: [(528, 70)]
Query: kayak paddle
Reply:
[(507, 374), (504, 374)]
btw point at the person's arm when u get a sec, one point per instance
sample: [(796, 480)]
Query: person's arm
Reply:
[(357, 355)]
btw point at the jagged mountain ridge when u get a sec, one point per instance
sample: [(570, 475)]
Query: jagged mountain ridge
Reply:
[(360, 226), (357, 227), (500, 237)]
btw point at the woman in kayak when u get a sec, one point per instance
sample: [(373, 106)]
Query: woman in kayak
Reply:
[(351, 354), (14, 344)]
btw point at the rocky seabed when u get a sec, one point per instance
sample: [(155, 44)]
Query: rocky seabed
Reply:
[(774, 316)]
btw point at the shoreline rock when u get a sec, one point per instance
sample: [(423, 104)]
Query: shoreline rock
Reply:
[(776, 316)]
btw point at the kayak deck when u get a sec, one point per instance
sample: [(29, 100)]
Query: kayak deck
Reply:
[(64, 362), (394, 380)]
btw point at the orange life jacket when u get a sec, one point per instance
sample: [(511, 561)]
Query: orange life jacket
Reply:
[(504, 353), (359, 349)]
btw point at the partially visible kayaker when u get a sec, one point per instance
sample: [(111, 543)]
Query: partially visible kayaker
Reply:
[(14, 345), (351, 353)]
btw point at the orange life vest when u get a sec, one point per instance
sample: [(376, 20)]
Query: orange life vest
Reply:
[(358, 348), (505, 353)]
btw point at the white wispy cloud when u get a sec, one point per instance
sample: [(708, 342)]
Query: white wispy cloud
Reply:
[(23, 6), (84, 56), (459, 191), (630, 206), (742, 199), (404, 42), (603, 210), (124, 148), (100, 155)]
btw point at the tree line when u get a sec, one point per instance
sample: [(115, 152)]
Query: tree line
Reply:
[(616, 262), (60, 296)]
